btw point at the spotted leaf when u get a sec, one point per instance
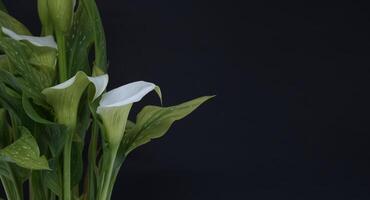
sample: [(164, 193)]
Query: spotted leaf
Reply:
[(25, 153)]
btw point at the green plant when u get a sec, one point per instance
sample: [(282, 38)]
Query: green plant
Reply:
[(50, 99)]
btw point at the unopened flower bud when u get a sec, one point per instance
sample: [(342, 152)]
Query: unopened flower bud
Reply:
[(47, 26), (61, 12)]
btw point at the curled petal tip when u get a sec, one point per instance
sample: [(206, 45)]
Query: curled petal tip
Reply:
[(100, 83), (127, 94)]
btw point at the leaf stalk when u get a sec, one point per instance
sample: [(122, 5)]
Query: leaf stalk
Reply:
[(62, 56)]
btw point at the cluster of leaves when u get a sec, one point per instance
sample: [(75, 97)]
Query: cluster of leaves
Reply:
[(31, 140)]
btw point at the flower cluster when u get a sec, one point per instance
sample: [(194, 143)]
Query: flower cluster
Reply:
[(52, 96)]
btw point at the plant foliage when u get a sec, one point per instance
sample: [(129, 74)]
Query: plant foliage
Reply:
[(52, 96)]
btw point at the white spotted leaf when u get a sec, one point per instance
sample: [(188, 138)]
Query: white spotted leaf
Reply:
[(25, 153)]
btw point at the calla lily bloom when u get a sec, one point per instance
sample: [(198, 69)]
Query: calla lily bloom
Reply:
[(113, 109), (47, 41), (115, 106), (66, 96)]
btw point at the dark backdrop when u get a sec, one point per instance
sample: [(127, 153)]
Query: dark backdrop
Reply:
[(291, 116)]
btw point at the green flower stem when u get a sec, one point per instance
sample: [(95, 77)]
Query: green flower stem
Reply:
[(107, 171), (67, 166), (114, 177), (47, 30), (62, 56), (62, 66), (92, 162)]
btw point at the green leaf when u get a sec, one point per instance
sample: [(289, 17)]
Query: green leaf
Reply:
[(78, 144), (4, 63), (44, 59), (153, 122), (21, 174), (77, 163), (10, 186), (25, 153), (4, 129), (9, 80), (32, 79), (32, 113), (37, 186), (84, 120), (2, 6), (13, 178), (11, 101), (20, 55), (101, 63), (51, 178), (11, 23), (4, 170), (80, 41), (56, 136)]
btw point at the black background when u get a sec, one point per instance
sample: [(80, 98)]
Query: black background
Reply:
[(291, 116)]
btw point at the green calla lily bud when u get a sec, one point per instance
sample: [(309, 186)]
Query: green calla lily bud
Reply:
[(115, 106), (65, 97), (42, 6), (47, 25), (61, 13)]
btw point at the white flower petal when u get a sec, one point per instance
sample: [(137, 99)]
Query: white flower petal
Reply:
[(126, 94), (65, 84), (47, 41), (100, 83)]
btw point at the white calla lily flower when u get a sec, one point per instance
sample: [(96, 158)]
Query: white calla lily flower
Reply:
[(100, 83), (47, 41), (65, 99), (115, 106), (66, 96), (126, 94)]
